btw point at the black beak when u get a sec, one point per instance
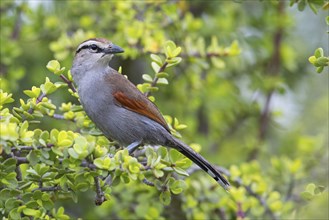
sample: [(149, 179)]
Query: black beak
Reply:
[(112, 48)]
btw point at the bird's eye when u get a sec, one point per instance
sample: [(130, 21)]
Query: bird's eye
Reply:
[(94, 47)]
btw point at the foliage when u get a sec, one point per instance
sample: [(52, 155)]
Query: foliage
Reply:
[(52, 154)]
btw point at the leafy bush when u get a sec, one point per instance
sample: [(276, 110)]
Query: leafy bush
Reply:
[(229, 64)]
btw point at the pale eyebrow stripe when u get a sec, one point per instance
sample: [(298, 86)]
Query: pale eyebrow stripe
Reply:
[(85, 45)]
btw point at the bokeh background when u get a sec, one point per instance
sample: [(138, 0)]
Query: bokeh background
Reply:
[(250, 99)]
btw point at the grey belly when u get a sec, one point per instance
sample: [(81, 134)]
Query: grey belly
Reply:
[(126, 127)]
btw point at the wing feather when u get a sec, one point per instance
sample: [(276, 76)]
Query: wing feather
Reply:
[(129, 97)]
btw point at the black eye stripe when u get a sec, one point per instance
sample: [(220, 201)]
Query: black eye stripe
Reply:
[(92, 46)]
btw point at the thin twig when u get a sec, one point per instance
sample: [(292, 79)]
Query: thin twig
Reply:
[(68, 82), (58, 116), (18, 173), (48, 189), (273, 68), (290, 187), (155, 80), (29, 148), (39, 99), (149, 183), (100, 198)]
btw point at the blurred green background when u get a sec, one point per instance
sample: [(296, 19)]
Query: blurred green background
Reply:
[(244, 88)]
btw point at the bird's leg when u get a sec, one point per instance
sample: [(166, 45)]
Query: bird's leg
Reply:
[(133, 146)]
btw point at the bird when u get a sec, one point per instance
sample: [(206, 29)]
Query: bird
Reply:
[(120, 110)]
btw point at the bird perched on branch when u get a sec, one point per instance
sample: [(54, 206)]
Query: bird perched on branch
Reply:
[(119, 109)]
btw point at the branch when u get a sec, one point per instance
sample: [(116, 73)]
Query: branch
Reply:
[(23, 160), (272, 69), (155, 80), (29, 148), (39, 99), (61, 117), (100, 198), (68, 82), (48, 189), (149, 183), (240, 214), (18, 173)]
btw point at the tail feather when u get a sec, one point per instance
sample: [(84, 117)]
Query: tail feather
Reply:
[(201, 162)]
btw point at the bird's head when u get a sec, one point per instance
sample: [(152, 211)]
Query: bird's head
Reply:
[(96, 51)]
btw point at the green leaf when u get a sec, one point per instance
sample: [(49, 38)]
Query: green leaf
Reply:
[(313, 7), (33, 158), (319, 69), (48, 105), (218, 62), (5, 98), (323, 61), (174, 155), (33, 93), (306, 195), (162, 75), (319, 189), (158, 173), (98, 162), (63, 139), (177, 186), (12, 203), (55, 67), (165, 197), (312, 59), (31, 212), (301, 5), (14, 214), (162, 152), (170, 47), (73, 153), (173, 61), (311, 188), (155, 67), (48, 87), (156, 59), (147, 78), (162, 81), (318, 53), (82, 187), (176, 51), (180, 171)]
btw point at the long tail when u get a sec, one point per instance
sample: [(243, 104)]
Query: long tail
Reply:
[(201, 162)]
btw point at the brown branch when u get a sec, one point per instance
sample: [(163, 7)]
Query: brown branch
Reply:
[(68, 82), (148, 182), (61, 117), (100, 198), (23, 160), (18, 173), (272, 69), (155, 80), (39, 99), (221, 213), (18, 24), (240, 213), (29, 148), (290, 187), (48, 189), (58, 116)]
